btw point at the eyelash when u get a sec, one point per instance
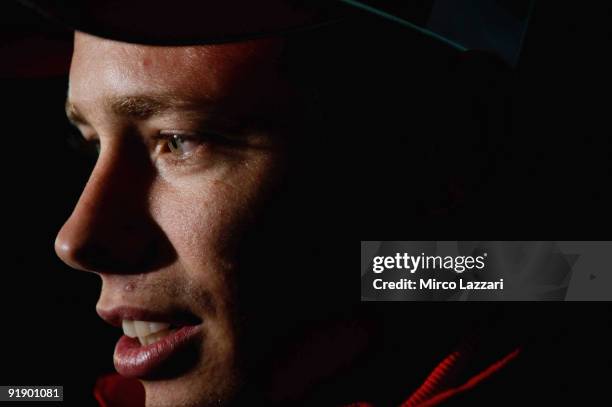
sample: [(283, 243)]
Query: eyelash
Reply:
[(173, 139), (203, 141), (88, 148), (162, 145)]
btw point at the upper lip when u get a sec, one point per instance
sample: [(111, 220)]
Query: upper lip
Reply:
[(116, 315)]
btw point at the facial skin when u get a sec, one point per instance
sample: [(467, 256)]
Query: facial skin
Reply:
[(244, 225), (162, 226)]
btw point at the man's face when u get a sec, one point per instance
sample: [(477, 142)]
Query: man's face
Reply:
[(192, 146)]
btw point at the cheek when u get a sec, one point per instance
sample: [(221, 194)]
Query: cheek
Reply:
[(198, 219), (204, 216)]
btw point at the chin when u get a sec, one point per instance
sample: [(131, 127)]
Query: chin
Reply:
[(209, 383), (189, 392)]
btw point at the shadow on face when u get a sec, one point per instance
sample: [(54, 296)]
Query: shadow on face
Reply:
[(225, 182)]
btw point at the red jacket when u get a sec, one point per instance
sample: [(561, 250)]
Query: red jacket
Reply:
[(445, 381)]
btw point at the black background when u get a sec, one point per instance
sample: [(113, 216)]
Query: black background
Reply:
[(554, 184)]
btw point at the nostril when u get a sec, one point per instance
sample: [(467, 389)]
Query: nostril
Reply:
[(99, 255), (93, 258), (87, 257)]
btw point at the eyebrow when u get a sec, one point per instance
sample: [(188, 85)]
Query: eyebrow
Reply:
[(136, 107), (141, 107)]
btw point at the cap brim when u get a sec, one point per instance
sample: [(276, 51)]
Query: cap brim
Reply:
[(183, 22)]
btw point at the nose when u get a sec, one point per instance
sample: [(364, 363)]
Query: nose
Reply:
[(111, 230)]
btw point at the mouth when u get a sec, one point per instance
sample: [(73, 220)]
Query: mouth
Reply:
[(153, 345)]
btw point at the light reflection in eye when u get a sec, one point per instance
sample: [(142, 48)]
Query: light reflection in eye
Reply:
[(181, 145)]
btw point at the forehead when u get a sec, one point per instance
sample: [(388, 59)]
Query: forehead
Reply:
[(105, 68)]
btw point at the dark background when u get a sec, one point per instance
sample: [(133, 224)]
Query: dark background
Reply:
[(551, 182)]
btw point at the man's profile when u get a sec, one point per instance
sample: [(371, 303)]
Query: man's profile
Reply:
[(228, 177), (213, 170)]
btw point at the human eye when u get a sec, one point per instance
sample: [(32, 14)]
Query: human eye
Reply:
[(89, 147), (187, 148), (182, 146)]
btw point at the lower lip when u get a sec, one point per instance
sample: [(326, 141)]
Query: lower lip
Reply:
[(135, 360)]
